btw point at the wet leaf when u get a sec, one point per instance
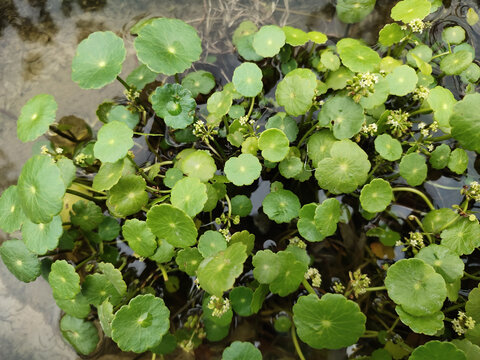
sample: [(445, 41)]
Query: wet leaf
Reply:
[(413, 168), (296, 90), (113, 142)]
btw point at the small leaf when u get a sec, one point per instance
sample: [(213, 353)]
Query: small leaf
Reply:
[(413, 169), (458, 161), (241, 300), (295, 37), (402, 80), (281, 206), (274, 145), (472, 17), (128, 196), (290, 274), (437, 350), (188, 260), (81, 334), (456, 63), (36, 116), (211, 242), (318, 146), (266, 266), (462, 237), (408, 10), (174, 104), (358, 57), (247, 79), (105, 316), (141, 76), (390, 34), (122, 114), (19, 260), (40, 238), (64, 281), (465, 122), (239, 350), (389, 148), (243, 170), (440, 157), (11, 213), (296, 90), (108, 175), (241, 205), (353, 11), (268, 40), (139, 237), (199, 82), (345, 114), (114, 141), (376, 196), (189, 195), (199, 164), (453, 35), (77, 307), (86, 215)]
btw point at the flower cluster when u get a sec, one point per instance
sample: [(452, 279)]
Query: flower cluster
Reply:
[(219, 305), (398, 121), (362, 85), (370, 129), (472, 191), (244, 121), (80, 158), (338, 287), (133, 100), (416, 25), (226, 234), (462, 323), (314, 275), (360, 282), (296, 241), (204, 131), (421, 93), (414, 240), (425, 131)]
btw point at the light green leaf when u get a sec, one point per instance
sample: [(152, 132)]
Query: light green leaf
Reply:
[(189, 195), (465, 122), (274, 145), (358, 57), (139, 237), (77, 307), (295, 37), (239, 350), (281, 206), (462, 237), (443, 260), (413, 168), (11, 213), (113, 142), (472, 351), (388, 147), (453, 35), (402, 80), (458, 161), (188, 260), (241, 300), (440, 157), (108, 175), (266, 266), (353, 11), (19, 260), (141, 76), (472, 17), (241, 205), (199, 82), (36, 116), (247, 79), (456, 63), (327, 215), (428, 325), (211, 242), (437, 350), (122, 114), (199, 164), (97, 288), (347, 116), (105, 316), (268, 40), (318, 146), (306, 223), (86, 215), (81, 334), (376, 196), (40, 238), (390, 34), (296, 91), (174, 104), (290, 274), (64, 281), (408, 10), (128, 196), (243, 170)]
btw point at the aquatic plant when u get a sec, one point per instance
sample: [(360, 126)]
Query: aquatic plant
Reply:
[(350, 136)]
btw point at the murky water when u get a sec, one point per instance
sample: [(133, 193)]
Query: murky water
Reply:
[(38, 39)]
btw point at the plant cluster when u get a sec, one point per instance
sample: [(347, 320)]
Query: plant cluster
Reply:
[(344, 134)]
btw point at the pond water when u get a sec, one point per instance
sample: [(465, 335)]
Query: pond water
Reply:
[(38, 39)]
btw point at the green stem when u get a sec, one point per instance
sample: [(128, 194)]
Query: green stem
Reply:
[(419, 193), (164, 272), (394, 325), (471, 276), (219, 148), (369, 334), (376, 288), (154, 356), (439, 138), (308, 287), (124, 83), (309, 131), (82, 195), (89, 188), (84, 261), (140, 170), (151, 189), (420, 111), (453, 307), (441, 54), (296, 344), (229, 203), (250, 110), (145, 134)]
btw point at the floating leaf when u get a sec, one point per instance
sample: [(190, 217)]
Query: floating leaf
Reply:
[(243, 170), (19, 260), (454, 64), (390, 34), (241, 299), (440, 157), (141, 324), (168, 46), (174, 104), (437, 350), (453, 35), (128, 196), (239, 350), (402, 80), (268, 40), (472, 17), (266, 266), (216, 274), (458, 161), (211, 242), (40, 238), (199, 82), (98, 60), (319, 144), (86, 215), (296, 91), (436, 220), (388, 147), (199, 164), (141, 76), (11, 213), (408, 10), (416, 286), (241, 205), (295, 37), (64, 281), (353, 11), (443, 260), (188, 260), (189, 195), (332, 322), (290, 167), (345, 170), (347, 116), (465, 122), (121, 114), (290, 274), (358, 57), (376, 196), (114, 140), (428, 325), (81, 334), (172, 224), (36, 116), (139, 237), (40, 189), (462, 237), (281, 206), (274, 145), (247, 79), (413, 169)]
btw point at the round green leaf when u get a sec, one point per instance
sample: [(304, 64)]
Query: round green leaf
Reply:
[(243, 170), (240, 350), (439, 158), (40, 189), (199, 164), (428, 325), (141, 76), (141, 324), (128, 196), (295, 37), (282, 324), (274, 145), (453, 35), (408, 10), (388, 147), (113, 142), (64, 281), (98, 60), (443, 260), (214, 331), (327, 216), (465, 122), (281, 206), (11, 213), (318, 146), (77, 307), (416, 286), (347, 116), (216, 274), (241, 299), (188, 260), (413, 169), (247, 79), (266, 266), (36, 116), (330, 60), (390, 34), (108, 229), (472, 351), (105, 316), (168, 46), (81, 334), (199, 82), (306, 223), (358, 57), (376, 196), (189, 195), (164, 252), (471, 74), (437, 350), (108, 175), (174, 104), (172, 224), (345, 170), (290, 167), (402, 80), (456, 63), (86, 215), (139, 237), (462, 237), (40, 238), (19, 260), (211, 242), (352, 11), (290, 274), (435, 220), (317, 37), (296, 91), (458, 161), (268, 41), (97, 288), (121, 114), (241, 205), (441, 100), (332, 322), (172, 175), (422, 52), (245, 28), (338, 79)]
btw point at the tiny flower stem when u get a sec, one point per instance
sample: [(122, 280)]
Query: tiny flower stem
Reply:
[(420, 111), (419, 193), (164, 272), (84, 261), (471, 276), (308, 287), (441, 54), (89, 188), (250, 110), (296, 344), (229, 203), (393, 325), (151, 189), (145, 134), (376, 288), (309, 131), (438, 138), (82, 195), (124, 83)]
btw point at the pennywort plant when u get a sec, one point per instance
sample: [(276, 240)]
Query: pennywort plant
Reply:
[(162, 253)]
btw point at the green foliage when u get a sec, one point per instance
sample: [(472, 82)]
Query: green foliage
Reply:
[(376, 196), (437, 350), (296, 90), (36, 116), (19, 260), (174, 104), (239, 350), (281, 206), (114, 140), (345, 114), (81, 334), (243, 170)]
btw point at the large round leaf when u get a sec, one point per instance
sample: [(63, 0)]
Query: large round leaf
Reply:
[(64, 281), (376, 196), (211, 242), (19, 260), (402, 80), (332, 322), (247, 79), (428, 325), (81, 334), (415, 285), (216, 274), (11, 213), (174, 104), (465, 122), (172, 224), (40, 189), (139, 237), (189, 194), (413, 168), (98, 60), (141, 324), (168, 46), (437, 350), (113, 142), (128, 196), (443, 260), (36, 116), (274, 145), (296, 91), (345, 114), (199, 164), (408, 10), (268, 41), (239, 350), (358, 57), (388, 147), (462, 237), (243, 170), (318, 146), (281, 206), (40, 238)]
